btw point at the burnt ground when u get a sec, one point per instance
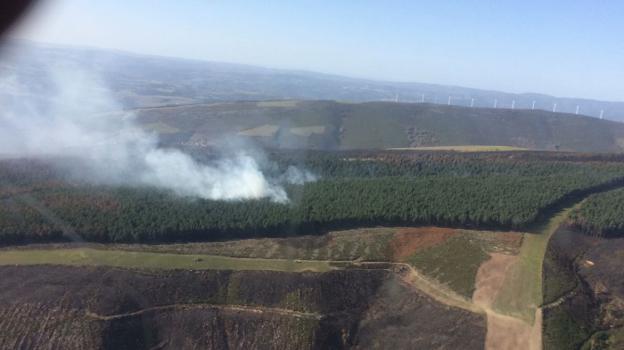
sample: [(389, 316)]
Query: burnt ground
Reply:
[(54, 307), (584, 292)]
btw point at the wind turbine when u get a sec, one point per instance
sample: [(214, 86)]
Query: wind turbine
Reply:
[(555, 107), (513, 104), (422, 98), (533, 106), (601, 113), (472, 102), (495, 102), (578, 109), (449, 101)]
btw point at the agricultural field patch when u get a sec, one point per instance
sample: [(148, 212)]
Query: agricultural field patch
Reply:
[(160, 127), (407, 241), (308, 130), (366, 244), (456, 260), (148, 260), (260, 131)]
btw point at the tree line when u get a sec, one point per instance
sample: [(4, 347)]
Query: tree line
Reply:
[(601, 215), (121, 214)]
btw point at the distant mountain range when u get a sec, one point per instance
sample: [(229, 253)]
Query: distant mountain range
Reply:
[(144, 81), (193, 103)]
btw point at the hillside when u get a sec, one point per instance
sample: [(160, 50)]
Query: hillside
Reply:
[(375, 125), (147, 81)]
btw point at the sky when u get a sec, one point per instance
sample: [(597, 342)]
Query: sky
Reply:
[(558, 47)]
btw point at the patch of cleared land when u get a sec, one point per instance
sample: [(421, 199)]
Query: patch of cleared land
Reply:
[(455, 261), (260, 131), (160, 127), (450, 257), (308, 130), (503, 332), (368, 244), (147, 260), (522, 291)]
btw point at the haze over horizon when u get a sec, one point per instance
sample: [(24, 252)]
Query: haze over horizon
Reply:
[(516, 48)]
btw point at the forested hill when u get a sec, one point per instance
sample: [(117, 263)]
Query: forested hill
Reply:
[(379, 125)]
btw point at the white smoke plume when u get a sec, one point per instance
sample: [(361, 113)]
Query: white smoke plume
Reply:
[(73, 119)]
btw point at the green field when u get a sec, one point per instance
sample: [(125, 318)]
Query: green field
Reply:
[(161, 128), (365, 244), (456, 261), (522, 291), (147, 260)]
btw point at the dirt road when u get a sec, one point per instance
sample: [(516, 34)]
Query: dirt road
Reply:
[(503, 332)]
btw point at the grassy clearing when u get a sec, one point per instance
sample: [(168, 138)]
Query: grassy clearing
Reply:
[(368, 244), (522, 292), (160, 127), (455, 262), (260, 131), (309, 130), (147, 260), (464, 148)]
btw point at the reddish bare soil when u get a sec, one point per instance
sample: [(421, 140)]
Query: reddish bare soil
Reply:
[(407, 241)]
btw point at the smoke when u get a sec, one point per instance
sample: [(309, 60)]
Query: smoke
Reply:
[(68, 112)]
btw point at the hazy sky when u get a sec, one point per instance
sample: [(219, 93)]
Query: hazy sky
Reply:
[(561, 47)]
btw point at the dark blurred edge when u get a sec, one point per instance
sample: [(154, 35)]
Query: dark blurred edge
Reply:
[(11, 11)]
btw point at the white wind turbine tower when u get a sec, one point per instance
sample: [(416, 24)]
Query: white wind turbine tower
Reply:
[(472, 102), (495, 102), (533, 106), (396, 98), (601, 113), (449, 101), (513, 104), (422, 98), (578, 109), (555, 107)]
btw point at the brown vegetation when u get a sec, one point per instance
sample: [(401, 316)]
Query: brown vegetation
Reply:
[(407, 241), (54, 307)]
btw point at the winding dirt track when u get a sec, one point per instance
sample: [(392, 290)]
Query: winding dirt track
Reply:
[(414, 279), (238, 308)]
